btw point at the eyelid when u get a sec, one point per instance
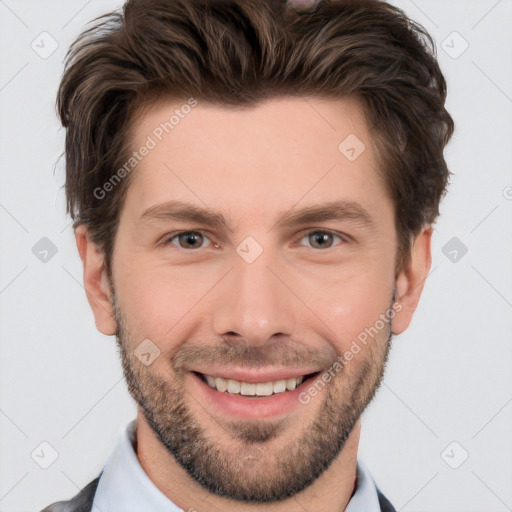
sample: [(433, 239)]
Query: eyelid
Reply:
[(344, 238), (167, 239)]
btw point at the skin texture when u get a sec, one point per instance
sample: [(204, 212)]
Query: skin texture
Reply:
[(302, 302)]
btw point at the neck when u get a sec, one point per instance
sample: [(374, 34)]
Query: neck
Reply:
[(330, 492)]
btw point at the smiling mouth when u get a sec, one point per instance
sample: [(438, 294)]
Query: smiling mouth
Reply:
[(251, 389)]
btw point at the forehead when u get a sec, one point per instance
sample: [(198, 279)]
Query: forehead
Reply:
[(275, 154)]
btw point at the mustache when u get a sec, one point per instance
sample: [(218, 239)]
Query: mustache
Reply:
[(281, 354)]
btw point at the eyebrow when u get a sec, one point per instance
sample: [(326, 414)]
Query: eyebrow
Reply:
[(334, 210), (186, 212)]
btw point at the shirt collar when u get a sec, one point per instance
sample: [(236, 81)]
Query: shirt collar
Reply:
[(365, 498), (125, 486)]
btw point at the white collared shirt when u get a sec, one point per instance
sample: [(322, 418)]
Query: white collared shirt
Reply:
[(124, 486)]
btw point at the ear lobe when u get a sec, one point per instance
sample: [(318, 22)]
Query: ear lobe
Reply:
[(96, 282), (411, 280)]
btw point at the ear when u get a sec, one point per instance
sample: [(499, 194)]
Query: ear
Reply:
[(96, 282), (411, 279)]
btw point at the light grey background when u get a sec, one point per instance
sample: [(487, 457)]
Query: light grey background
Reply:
[(449, 378)]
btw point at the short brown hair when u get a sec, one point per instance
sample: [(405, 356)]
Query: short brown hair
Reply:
[(240, 53)]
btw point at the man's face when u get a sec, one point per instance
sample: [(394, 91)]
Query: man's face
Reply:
[(267, 297)]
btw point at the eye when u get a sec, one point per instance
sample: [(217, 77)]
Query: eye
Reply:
[(321, 239), (187, 239)]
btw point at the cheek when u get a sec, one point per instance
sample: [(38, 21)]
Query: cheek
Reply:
[(350, 301), (159, 301), (168, 304)]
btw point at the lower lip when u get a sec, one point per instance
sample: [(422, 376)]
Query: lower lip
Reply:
[(248, 406)]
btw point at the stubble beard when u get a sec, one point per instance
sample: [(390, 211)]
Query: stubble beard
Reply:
[(243, 468)]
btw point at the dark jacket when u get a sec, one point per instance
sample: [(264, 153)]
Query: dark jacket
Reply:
[(82, 502)]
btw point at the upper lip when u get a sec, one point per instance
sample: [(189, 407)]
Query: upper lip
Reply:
[(254, 375)]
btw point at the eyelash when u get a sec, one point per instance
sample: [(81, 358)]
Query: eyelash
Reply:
[(172, 236)]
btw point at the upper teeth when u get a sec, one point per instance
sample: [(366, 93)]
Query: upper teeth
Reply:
[(251, 388)]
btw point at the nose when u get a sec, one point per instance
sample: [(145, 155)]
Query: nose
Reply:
[(253, 307)]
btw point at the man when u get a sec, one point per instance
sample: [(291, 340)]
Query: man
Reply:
[(253, 189)]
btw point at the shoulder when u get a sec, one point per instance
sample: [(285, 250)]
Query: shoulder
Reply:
[(82, 502)]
